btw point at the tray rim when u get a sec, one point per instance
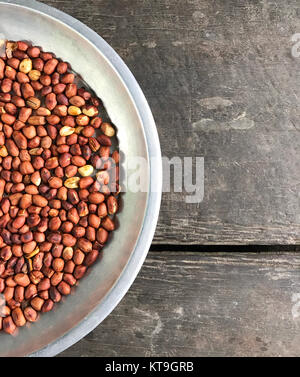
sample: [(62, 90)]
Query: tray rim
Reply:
[(130, 272)]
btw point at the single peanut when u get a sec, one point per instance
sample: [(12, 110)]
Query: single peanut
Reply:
[(67, 131), (74, 110), (25, 66), (86, 170), (72, 182)]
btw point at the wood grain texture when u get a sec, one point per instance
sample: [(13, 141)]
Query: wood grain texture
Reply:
[(222, 84), (205, 304)]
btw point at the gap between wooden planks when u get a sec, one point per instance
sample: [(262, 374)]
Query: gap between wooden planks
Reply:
[(226, 248)]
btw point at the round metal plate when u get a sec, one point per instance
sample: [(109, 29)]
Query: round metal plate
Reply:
[(104, 71)]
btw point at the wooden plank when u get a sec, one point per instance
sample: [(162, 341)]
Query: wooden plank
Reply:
[(205, 304), (222, 84)]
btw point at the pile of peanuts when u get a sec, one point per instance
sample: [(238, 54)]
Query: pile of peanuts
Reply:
[(58, 182)]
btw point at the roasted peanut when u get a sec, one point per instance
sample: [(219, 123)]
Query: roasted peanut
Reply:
[(74, 110), (66, 131), (25, 65), (18, 317), (86, 170), (107, 129), (72, 182)]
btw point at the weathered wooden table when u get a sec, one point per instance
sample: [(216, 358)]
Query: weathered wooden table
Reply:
[(223, 84)]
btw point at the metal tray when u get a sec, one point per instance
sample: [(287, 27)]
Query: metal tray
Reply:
[(104, 71)]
